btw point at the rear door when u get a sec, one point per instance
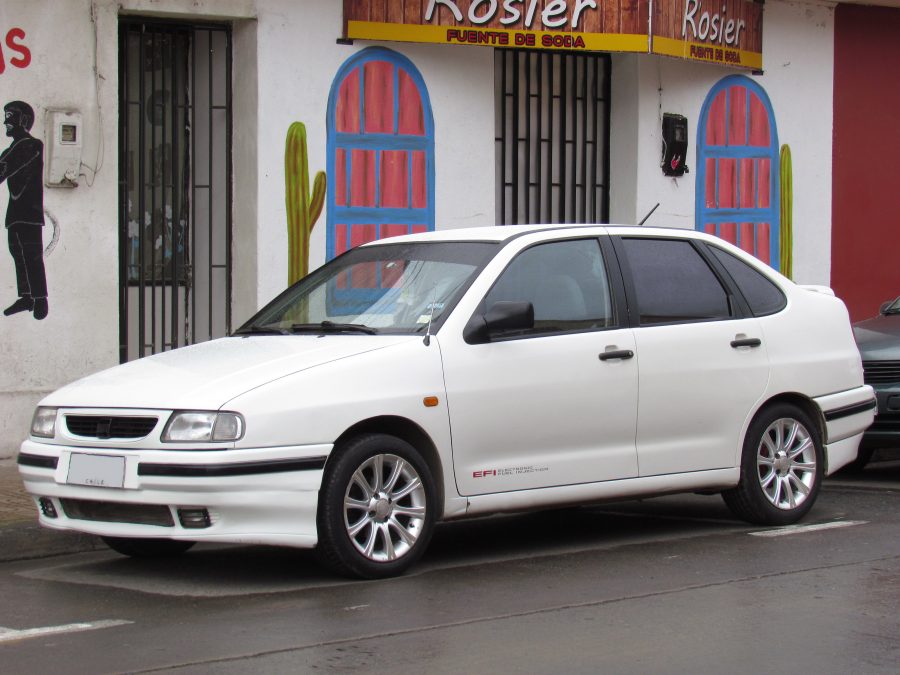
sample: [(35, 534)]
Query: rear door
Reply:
[(702, 360)]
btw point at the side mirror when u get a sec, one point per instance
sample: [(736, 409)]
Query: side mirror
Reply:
[(502, 316)]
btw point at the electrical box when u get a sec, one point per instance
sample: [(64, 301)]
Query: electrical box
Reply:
[(62, 148), (674, 144)]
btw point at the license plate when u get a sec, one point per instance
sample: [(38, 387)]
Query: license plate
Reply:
[(96, 470)]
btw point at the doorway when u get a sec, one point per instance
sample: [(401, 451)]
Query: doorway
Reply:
[(175, 185)]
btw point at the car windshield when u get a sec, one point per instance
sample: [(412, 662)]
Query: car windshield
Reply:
[(385, 288), (893, 308)]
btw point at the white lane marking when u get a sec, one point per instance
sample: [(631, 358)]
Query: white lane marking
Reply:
[(800, 529), (10, 634)]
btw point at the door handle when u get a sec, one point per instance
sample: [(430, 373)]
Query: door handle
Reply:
[(746, 342), (617, 354)]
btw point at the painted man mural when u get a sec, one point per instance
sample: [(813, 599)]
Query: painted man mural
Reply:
[(21, 166)]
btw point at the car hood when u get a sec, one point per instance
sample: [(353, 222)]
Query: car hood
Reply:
[(208, 375), (878, 339)]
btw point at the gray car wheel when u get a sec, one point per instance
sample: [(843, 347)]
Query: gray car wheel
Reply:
[(781, 468), (376, 508)]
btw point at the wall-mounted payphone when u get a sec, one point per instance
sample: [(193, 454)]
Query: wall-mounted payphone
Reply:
[(62, 148), (674, 144)]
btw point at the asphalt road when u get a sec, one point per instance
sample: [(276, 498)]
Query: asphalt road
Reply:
[(669, 585)]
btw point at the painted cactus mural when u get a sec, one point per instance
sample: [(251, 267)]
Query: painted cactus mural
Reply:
[(787, 213), (303, 206)]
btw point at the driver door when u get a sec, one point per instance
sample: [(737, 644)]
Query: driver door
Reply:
[(546, 406)]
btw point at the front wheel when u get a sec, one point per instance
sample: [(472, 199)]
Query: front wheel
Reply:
[(376, 508), (781, 468)]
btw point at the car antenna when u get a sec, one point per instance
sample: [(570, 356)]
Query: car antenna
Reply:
[(648, 215), (427, 339)]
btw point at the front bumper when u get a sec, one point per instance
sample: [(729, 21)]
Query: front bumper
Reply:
[(251, 496), (885, 430)]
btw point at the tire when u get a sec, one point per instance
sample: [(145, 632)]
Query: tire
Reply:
[(147, 548), (781, 468), (376, 508)]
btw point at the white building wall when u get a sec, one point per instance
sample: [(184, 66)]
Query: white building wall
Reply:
[(285, 57), (799, 77), (80, 333)]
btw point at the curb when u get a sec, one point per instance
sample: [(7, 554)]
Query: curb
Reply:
[(21, 536)]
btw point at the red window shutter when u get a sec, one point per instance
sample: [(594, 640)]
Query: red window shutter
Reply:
[(362, 181), (737, 117), (347, 108), (715, 125), (394, 178), (759, 123), (419, 180), (379, 93), (727, 184), (340, 180), (411, 117)]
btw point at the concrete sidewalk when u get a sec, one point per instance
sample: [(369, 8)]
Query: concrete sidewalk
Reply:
[(21, 538)]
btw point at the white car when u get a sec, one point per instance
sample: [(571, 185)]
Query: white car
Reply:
[(460, 373)]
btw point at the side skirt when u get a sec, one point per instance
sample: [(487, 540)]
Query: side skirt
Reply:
[(587, 493)]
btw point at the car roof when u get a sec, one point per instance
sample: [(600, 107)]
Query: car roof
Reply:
[(500, 233), (505, 233)]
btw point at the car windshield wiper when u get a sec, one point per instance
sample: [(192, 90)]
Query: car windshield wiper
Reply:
[(261, 330), (331, 327)]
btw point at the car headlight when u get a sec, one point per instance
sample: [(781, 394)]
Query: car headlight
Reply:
[(203, 427), (43, 424)]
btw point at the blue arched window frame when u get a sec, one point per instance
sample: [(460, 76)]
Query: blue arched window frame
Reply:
[(350, 215), (771, 214)]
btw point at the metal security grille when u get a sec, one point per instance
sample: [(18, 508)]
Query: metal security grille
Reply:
[(552, 137), (175, 185)]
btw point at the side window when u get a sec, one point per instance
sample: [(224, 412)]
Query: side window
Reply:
[(763, 296), (565, 281), (673, 283)]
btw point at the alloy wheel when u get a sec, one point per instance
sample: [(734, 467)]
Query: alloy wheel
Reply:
[(786, 463), (384, 507)]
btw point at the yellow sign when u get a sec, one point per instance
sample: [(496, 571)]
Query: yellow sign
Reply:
[(727, 32), (499, 37)]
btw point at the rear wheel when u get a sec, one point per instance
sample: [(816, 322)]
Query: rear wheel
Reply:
[(376, 508), (147, 548), (781, 468)]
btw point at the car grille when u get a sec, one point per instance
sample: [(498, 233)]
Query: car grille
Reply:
[(98, 426), (881, 372), (116, 512)]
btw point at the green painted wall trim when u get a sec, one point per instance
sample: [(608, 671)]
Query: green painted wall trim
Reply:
[(787, 213)]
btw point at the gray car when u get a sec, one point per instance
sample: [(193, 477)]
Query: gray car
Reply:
[(879, 345)]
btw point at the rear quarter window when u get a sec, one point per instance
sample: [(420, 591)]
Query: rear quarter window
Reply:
[(763, 296)]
